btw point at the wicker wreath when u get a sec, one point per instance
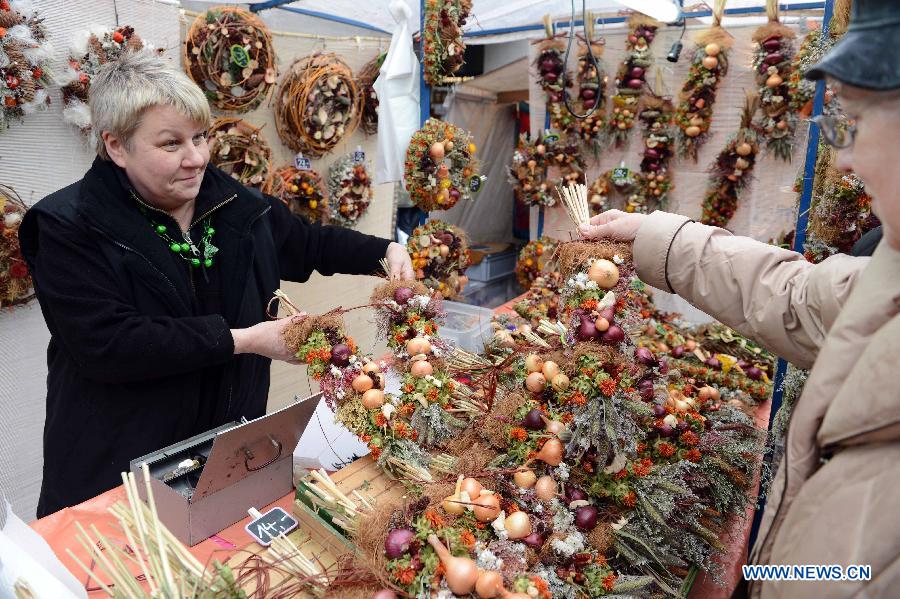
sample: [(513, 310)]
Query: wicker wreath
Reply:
[(25, 60), (318, 103), (15, 280), (441, 168), (350, 190), (301, 190), (228, 53), (366, 83), (238, 148), (533, 260), (93, 50), (440, 255)]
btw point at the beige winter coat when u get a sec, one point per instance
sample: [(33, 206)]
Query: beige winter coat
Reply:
[(836, 496)]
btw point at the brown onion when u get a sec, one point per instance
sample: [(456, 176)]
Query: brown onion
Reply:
[(461, 573), (488, 584), (551, 453), (554, 427), (546, 488), (373, 398), (362, 383), (517, 525), (421, 369), (487, 507), (535, 382), (604, 273), (533, 363), (550, 369), (560, 382), (384, 594), (525, 478)]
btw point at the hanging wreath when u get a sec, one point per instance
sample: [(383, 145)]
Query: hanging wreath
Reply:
[(238, 148), (528, 173), (655, 181), (631, 77), (303, 191), (565, 155), (444, 45), (228, 53), (619, 181), (801, 89), (92, 50), (15, 280), (317, 104), (440, 167), (552, 77), (772, 61), (730, 173), (698, 94), (591, 96), (350, 190), (24, 63), (440, 255), (534, 259), (366, 84)]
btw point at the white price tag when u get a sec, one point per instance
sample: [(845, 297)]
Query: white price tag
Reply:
[(302, 163)]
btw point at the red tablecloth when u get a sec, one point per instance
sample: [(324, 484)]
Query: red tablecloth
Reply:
[(59, 529)]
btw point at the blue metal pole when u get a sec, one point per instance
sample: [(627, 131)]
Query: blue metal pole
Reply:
[(809, 175)]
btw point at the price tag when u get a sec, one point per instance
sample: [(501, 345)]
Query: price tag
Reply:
[(302, 163), (551, 138), (359, 156), (239, 56), (475, 183), (621, 175), (270, 525)]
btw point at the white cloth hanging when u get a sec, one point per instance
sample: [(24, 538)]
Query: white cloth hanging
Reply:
[(397, 87)]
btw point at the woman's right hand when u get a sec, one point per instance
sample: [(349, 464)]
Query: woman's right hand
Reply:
[(613, 224), (266, 339)]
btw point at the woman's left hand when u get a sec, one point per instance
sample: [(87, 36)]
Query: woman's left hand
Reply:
[(399, 263)]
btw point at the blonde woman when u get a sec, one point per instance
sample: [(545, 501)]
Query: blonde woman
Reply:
[(153, 273)]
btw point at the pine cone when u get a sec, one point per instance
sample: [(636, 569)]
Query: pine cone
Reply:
[(17, 60), (97, 48), (27, 88), (10, 18), (135, 42)]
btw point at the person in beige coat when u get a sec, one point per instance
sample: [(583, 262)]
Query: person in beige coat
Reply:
[(836, 496)]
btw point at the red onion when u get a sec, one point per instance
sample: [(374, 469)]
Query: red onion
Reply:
[(682, 425), (398, 542), (548, 64), (385, 594), (635, 83), (588, 103), (662, 366), (653, 166), (588, 94), (659, 410), (742, 364), (535, 540), (586, 330), (774, 58), (340, 355), (666, 431), (586, 518), (678, 351), (772, 44), (636, 73), (533, 420), (403, 295), (454, 194), (754, 373), (609, 314), (644, 356), (613, 335), (651, 153), (573, 493), (632, 38), (551, 77), (714, 363)]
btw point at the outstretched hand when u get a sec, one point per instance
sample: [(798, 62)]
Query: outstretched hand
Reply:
[(613, 224), (399, 263), (266, 339)]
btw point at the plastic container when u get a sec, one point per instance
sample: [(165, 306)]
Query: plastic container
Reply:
[(469, 327), (493, 294), (493, 266)]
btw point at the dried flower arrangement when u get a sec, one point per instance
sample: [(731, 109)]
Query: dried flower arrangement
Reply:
[(25, 54), (350, 190), (15, 280), (239, 149), (441, 168), (535, 258), (303, 191), (444, 45), (440, 257), (631, 77)]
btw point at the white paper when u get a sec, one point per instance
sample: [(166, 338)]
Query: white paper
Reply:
[(26, 556), (397, 87)]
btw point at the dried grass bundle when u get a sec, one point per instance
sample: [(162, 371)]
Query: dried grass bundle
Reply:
[(573, 255)]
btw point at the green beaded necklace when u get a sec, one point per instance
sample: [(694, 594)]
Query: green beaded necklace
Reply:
[(195, 255)]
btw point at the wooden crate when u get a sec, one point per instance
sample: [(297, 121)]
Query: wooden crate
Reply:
[(363, 475)]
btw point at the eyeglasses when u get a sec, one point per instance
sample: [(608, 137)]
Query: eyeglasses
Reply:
[(838, 132)]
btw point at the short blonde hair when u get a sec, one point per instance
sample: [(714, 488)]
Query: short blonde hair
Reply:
[(123, 89)]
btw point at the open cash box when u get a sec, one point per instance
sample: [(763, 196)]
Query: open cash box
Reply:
[(205, 484)]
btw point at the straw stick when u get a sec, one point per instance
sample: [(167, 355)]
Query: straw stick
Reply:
[(131, 495), (167, 570)]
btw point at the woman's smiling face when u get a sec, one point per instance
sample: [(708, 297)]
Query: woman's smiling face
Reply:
[(165, 158)]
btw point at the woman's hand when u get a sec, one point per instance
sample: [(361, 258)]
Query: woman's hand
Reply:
[(399, 263), (613, 224), (266, 339)]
